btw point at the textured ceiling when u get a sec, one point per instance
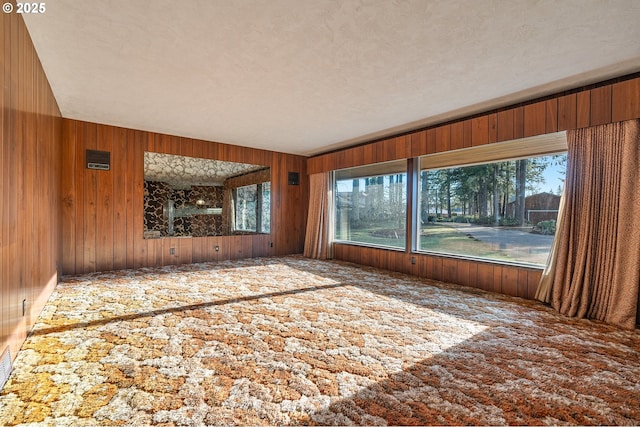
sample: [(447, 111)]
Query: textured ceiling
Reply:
[(184, 172), (305, 76)]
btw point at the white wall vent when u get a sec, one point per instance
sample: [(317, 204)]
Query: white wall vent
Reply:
[(5, 367)]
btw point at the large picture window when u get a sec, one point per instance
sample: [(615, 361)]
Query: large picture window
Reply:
[(503, 210), (371, 204), (497, 202)]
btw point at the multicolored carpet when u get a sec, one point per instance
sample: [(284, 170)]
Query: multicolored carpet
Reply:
[(296, 341)]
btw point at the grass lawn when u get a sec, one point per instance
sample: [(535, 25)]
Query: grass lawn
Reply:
[(433, 237), (364, 236), (441, 238)]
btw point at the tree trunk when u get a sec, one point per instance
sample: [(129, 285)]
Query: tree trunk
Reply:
[(449, 194), (355, 200), (424, 199), (482, 198), (507, 182), (521, 181), (496, 200)]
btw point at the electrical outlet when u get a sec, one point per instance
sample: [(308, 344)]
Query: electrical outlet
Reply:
[(413, 260), (270, 244), (217, 248), (172, 251)]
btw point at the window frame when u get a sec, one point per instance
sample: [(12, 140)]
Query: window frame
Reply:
[(537, 146), (381, 169), (541, 145), (259, 194)]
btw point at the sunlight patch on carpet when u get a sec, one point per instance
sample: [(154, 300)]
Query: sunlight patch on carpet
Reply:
[(297, 341)]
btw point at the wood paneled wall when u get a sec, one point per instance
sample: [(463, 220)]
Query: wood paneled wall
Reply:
[(102, 211), (506, 279), (29, 184), (601, 104)]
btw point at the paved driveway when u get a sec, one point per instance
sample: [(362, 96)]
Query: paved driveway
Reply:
[(518, 243)]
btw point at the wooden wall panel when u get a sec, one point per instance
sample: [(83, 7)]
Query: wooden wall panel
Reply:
[(567, 113), (68, 207), (368, 155), (434, 268), (509, 281), (389, 149), (485, 277), (551, 115), (314, 165), (456, 137), (341, 159), (505, 130), (413, 268), (493, 128), (418, 143), (431, 141), (104, 204), (600, 106), (119, 168), (30, 197), (533, 279), (404, 146), (467, 137), (139, 142), (87, 138), (522, 288), (583, 109), (129, 159), (443, 138), (464, 273), (361, 255), (480, 131), (519, 122), (15, 284), (339, 253), (499, 278), (103, 224), (379, 152), (358, 156), (625, 100), (450, 270), (534, 119)]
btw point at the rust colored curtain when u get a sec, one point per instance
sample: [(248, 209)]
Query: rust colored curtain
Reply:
[(595, 270), (316, 243)]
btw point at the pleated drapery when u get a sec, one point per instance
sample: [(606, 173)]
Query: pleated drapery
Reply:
[(594, 269), (316, 243)]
